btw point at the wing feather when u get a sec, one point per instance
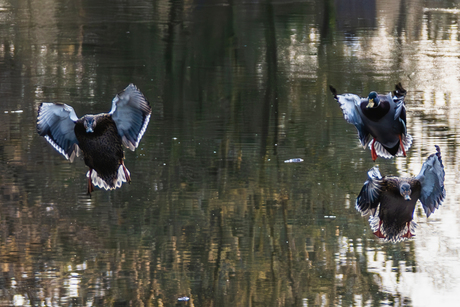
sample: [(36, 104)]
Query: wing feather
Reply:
[(369, 197), (56, 122), (431, 177), (131, 113), (350, 104), (399, 94)]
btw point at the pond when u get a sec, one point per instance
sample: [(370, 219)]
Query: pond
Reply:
[(213, 216)]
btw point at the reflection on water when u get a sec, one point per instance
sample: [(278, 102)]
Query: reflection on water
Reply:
[(213, 213)]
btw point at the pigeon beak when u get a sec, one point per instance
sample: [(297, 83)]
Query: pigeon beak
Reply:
[(370, 104), (89, 130), (407, 197)]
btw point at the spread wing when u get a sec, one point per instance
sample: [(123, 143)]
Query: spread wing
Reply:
[(131, 113), (56, 122), (400, 111), (431, 177), (399, 94), (369, 197), (350, 104)]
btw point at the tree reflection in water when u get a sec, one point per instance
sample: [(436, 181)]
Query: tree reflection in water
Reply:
[(214, 214)]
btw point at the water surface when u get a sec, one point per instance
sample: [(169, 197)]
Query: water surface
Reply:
[(213, 216)]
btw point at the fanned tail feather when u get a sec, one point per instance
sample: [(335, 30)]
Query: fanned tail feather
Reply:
[(99, 182), (407, 143), (374, 222), (383, 153), (379, 230), (379, 149)]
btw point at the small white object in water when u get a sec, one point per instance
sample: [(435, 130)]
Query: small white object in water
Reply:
[(183, 298), (295, 160), (18, 300)]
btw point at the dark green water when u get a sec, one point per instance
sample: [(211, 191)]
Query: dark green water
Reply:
[(213, 216)]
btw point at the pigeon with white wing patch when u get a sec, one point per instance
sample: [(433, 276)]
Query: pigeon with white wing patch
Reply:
[(99, 136), (390, 201)]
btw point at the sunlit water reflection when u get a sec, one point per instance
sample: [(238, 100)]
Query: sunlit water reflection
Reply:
[(214, 216)]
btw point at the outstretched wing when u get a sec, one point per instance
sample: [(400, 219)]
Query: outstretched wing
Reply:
[(350, 104), (431, 177), (131, 113), (369, 197), (56, 122), (399, 94)]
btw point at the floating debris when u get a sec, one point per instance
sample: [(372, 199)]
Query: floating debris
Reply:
[(183, 298), (295, 160), (17, 111)]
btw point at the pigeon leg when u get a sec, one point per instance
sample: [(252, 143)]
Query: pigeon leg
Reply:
[(90, 183), (408, 234), (373, 152), (379, 233), (128, 178), (402, 145)]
